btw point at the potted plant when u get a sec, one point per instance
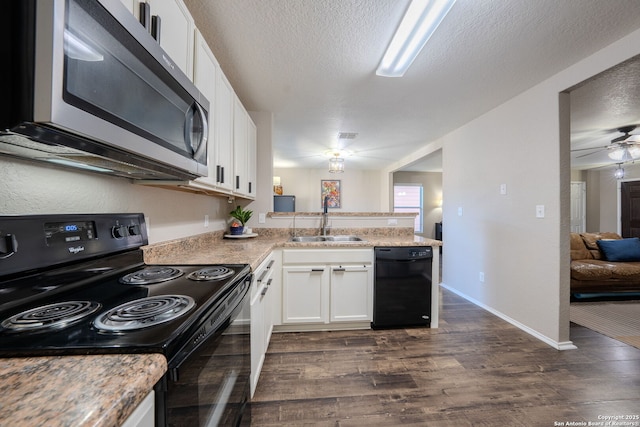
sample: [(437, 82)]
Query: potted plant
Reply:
[(240, 218)]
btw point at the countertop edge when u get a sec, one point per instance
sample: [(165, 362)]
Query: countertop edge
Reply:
[(81, 390)]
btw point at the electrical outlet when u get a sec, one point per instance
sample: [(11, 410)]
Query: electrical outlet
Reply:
[(481, 276), (392, 221), (206, 220), (539, 211), (262, 218)]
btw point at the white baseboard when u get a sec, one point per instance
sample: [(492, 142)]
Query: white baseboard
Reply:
[(558, 345)]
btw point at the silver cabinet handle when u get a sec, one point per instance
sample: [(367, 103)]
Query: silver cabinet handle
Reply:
[(264, 273)]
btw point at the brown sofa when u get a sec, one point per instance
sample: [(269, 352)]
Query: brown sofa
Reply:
[(590, 272)]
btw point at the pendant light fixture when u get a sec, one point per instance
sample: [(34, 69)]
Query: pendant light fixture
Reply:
[(336, 164)]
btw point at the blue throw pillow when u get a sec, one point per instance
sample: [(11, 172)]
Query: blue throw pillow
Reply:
[(620, 250)]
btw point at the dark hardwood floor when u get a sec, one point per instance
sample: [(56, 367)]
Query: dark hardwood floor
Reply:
[(475, 370)]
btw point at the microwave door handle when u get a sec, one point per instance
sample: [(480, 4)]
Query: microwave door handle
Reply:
[(202, 144)]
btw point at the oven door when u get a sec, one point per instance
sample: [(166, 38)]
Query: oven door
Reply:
[(210, 386)]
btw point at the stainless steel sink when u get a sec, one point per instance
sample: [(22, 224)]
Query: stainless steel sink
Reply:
[(343, 239), (308, 239), (326, 239)]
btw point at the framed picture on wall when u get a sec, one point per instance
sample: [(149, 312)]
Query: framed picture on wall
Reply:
[(330, 188)]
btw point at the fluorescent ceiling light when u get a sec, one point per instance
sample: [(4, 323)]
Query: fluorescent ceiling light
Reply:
[(419, 22)]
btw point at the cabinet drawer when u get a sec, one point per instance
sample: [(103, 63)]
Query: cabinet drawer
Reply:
[(327, 256)]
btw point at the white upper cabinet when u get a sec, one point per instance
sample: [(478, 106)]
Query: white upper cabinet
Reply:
[(223, 118), (252, 158), (130, 4), (240, 148), (205, 70), (244, 151), (176, 29)]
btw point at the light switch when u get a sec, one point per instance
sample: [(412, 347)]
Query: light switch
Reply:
[(460, 211), (503, 189), (539, 211), (262, 218)]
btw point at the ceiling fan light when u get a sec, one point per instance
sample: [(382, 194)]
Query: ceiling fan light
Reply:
[(634, 151), (336, 165), (619, 173), (620, 155)]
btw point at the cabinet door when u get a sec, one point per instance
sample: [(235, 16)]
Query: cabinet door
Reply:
[(252, 155), (205, 69), (351, 293), (257, 337), (223, 152), (130, 4), (240, 161), (304, 294), (176, 36)]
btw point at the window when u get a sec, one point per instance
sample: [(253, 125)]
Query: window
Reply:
[(408, 198)]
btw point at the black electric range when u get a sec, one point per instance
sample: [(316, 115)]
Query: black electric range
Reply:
[(78, 284)]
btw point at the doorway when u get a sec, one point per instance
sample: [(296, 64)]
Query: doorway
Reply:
[(630, 208), (578, 206)]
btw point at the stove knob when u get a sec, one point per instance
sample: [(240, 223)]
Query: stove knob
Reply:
[(134, 230), (118, 231), (8, 246)]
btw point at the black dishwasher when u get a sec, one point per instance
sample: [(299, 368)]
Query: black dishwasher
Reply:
[(402, 287)]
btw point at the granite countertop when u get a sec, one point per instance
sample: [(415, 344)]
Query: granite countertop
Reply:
[(96, 390), (211, 248)]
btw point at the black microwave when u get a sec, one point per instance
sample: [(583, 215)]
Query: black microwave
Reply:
[(84, 84)]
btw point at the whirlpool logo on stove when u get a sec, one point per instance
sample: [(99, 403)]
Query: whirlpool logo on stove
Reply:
[(76, 249)]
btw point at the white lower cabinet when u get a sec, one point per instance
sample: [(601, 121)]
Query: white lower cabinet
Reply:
[(327, 286), (305, 294), (351, 293), (144, 414), (263, 295)]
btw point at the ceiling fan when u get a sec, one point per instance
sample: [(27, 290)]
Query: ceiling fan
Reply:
[(623, 148)]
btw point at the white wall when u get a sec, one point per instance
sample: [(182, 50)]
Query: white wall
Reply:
[(31, 188), (524, 259), (360, 188)]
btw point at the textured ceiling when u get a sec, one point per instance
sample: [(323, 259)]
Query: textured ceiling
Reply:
[(312, 63)]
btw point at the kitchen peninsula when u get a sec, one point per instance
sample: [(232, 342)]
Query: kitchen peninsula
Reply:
[(27, 378)]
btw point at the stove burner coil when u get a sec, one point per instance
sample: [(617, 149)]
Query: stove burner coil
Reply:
[(211, 273), (51, 316), (144, 312), (150, 275)]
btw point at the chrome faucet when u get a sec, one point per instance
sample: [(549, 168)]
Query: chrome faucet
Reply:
[(294, 225), (325, 216)]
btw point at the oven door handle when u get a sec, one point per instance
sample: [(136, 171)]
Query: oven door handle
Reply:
[(8, 246)]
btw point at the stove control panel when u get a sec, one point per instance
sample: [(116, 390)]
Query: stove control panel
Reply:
[(47, 240), (69, 232), (120, 231)]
